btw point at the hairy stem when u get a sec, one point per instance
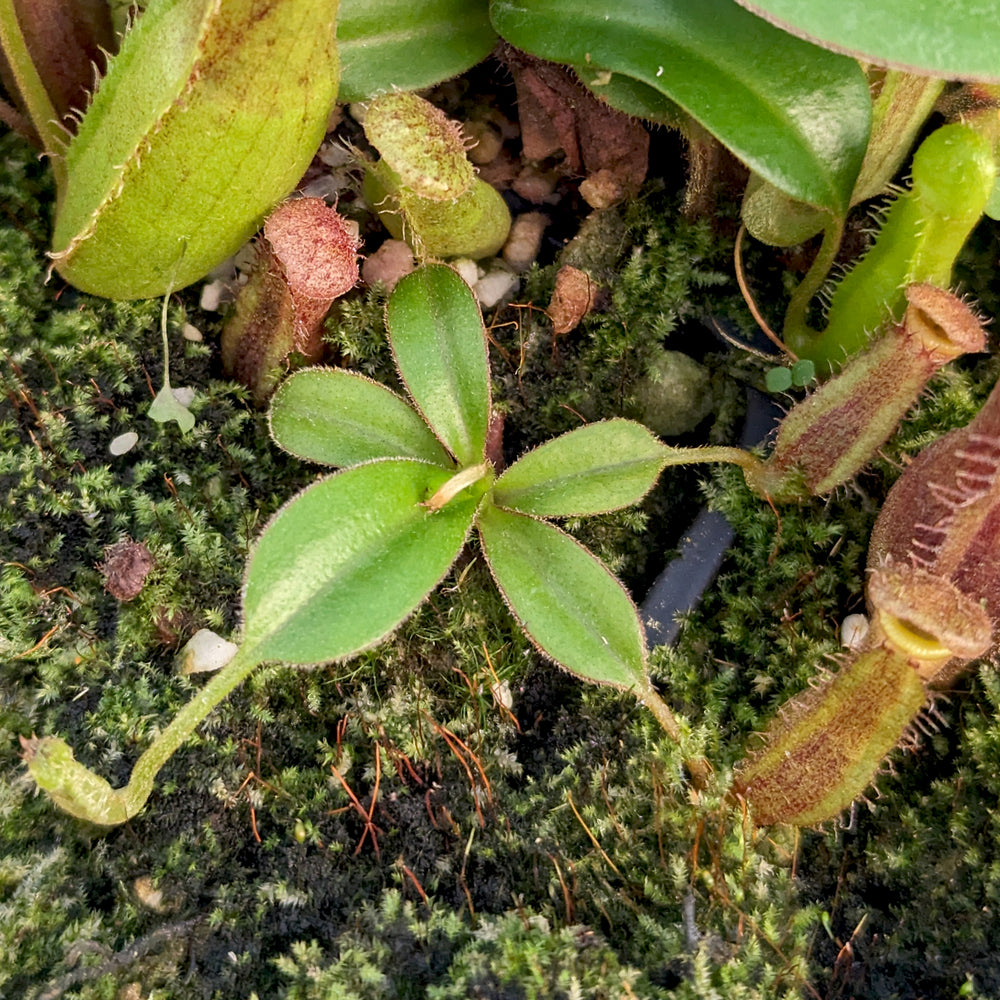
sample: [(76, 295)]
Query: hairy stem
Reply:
[(796, 332), (183, 725), (697, 766), (713, 453), (82, 793)]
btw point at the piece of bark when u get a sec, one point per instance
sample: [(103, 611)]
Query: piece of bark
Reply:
[(574, 295), (557, 113), (125, 568)]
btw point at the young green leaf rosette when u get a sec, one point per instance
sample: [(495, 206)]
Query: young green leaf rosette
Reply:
[(348, 559)]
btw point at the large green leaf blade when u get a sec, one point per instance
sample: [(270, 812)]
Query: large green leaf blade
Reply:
[(348, 559), (341, 418), (439, 342), (957, 40), (377, 40), (796, 114), (590, 470), (567, 602)]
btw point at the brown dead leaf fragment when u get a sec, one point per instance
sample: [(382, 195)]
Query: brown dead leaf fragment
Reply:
[(308, 257), (574, 296), (125, 568), (557, 112)]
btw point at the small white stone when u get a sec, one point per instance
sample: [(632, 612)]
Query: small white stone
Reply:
[(495, 287), (525, 240), (149, 895), (334, 154), (123, 443), (212, 295), (393, 260), (191, 333), (502, 694), (853, 631), (245, 258), (536, 185), (326, 186), (468, 270), (205, 651)]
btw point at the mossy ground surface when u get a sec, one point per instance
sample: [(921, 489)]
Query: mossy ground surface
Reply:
[(446, 816)]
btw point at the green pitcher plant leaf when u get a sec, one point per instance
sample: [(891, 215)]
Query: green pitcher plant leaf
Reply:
[(347, 560), (633, 97), (207, 117), (439, 343), (590, 470), (795, 114), (378, 40), (955, 41), (341, 418), (568, 603)]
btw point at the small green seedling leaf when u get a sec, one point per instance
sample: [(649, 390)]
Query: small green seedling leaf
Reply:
[(439, 342), (166, 407), (591, 470), (567, 601), (336, 417), (800, 374), (803, 372), (778, 379), (349, 559), (207, 117)]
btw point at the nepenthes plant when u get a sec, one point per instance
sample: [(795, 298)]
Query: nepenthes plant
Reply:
[(353, 555)]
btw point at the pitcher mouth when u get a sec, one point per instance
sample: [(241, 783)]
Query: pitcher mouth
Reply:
[(926, 618), (942, 322)]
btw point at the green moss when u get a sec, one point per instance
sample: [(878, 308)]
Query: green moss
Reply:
[(535, 838)]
